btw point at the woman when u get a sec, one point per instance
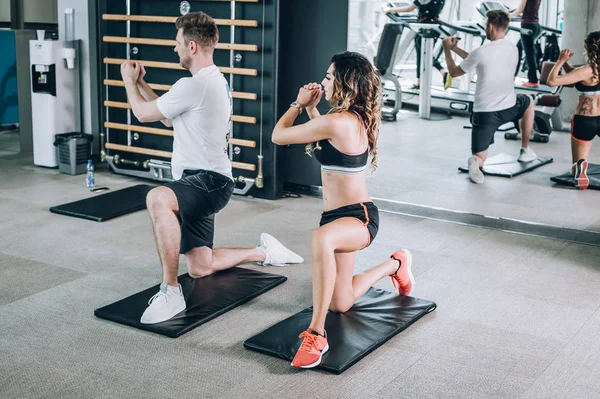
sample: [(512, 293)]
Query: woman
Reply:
[(529, 10), (341, 141), (586, 120)]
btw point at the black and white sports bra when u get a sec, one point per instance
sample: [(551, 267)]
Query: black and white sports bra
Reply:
[(333, 160), (585, 90)]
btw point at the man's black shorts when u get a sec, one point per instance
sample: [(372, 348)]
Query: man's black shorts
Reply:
[(200, 194), (485, 124)]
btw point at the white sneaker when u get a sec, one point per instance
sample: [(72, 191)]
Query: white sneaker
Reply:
[(276, 253), (475, 173), (527, 155), (165, 304)]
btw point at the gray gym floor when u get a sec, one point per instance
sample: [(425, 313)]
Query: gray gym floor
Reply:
[(518, 316)]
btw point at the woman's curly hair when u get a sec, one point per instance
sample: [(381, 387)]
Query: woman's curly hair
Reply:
[(356, 89), (592, 49)]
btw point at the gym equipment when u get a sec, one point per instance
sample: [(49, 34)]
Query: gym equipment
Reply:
[(548, 117), (384, 62), (107, 206), (593, 172), (504, 165), (55, 93), (206, 298), (427, 97), (375, 318)]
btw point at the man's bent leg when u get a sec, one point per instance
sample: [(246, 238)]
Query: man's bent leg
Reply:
[(482, 135), (526, 154), (163, 207), (481, 157), (168, 301), (527, 124), (203, 261)]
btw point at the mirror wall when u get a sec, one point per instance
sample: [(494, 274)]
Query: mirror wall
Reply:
[(419, 158)]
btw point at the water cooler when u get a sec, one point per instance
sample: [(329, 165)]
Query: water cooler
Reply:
[(55, 97)]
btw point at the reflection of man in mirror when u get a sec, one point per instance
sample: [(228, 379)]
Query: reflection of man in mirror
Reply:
[(496, 102)]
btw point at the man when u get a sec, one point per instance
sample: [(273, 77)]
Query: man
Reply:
[(495, 100), (429, 12), (182, 212)]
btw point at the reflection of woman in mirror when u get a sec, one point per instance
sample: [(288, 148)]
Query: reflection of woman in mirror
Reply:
[(529, 10), (586, 120), (341, 141)]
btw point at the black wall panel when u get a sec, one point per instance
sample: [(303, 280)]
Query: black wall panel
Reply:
[(295, 39)]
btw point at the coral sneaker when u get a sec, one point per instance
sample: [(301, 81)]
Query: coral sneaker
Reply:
[(312, 349), (582, 181), (403, 279), (530, 84)]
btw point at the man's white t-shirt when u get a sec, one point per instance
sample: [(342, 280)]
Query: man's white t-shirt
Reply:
[(495, 63), (200, 109)]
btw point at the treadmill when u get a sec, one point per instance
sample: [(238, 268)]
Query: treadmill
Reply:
[(428, 96)]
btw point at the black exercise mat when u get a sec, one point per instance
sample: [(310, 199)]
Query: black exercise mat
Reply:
[(107, 206), (567, 179), (376, 317), (206, 298), (504, 165)]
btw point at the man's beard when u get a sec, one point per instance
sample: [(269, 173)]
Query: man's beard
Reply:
[(186, 62)]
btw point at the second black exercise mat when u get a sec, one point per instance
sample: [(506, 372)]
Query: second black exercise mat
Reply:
[(567, 179), (504, 165), (107, 206), (376, 317), (206, 298)]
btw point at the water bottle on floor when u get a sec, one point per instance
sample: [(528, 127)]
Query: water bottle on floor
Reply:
[(90, 179)]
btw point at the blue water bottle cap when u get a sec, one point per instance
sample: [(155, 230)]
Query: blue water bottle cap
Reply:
[(89, 161)]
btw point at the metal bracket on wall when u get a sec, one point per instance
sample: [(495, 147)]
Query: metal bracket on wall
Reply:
[(157, 169)]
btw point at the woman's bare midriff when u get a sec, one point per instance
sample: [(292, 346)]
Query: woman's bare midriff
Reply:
[(588, 105), (341, 189)]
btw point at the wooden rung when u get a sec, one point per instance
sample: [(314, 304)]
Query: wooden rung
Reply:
[(138, 150), (120, 83), (140, 129), (167, 154), (236, 46), (235, 118), (173, 65), (242, 143), (243, 95), (243, 119), (117, 104), (235, 94), (243, 165), (172, 43), (248, 23)]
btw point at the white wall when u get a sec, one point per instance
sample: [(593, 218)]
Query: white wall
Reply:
[(4, 11), (85, 31)]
